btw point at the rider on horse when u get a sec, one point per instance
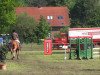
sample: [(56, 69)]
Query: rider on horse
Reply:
[(15, 44)]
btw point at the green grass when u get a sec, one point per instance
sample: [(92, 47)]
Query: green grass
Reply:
[(33, 62)]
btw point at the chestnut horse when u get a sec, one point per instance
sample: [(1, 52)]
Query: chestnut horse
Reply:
[(14, 47)]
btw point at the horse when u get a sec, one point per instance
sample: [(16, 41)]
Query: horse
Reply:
[(14, 47)]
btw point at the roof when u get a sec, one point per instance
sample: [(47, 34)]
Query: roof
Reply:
[(47, 12)]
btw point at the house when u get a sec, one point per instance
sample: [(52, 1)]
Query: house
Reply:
[(57, 17)]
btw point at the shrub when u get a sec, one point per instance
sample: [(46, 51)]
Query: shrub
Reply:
[(3, 52)]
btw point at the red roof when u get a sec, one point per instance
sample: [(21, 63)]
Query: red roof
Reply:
[(47, 12)]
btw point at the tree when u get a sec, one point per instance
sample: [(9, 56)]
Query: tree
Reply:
[(56, 2), (65, 29), (85, 13), (38, 3), (70, 4), (93, 13), (42, 29), (7, 15), (29, 30), (25, 26), (20, 3)]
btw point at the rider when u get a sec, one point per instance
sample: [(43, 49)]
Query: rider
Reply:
[(15, 36)]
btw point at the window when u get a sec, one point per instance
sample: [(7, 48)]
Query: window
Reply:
[(49, 17), (60, 17)]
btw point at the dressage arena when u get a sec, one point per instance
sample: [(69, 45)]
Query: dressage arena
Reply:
[(33, 62)]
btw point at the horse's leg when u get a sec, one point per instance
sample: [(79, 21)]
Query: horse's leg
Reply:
[(17, 53), (14, 54), (11, 51)]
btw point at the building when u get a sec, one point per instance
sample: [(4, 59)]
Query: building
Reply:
[(57, 17)]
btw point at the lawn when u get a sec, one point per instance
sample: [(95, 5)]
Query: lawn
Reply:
[(33, 62)]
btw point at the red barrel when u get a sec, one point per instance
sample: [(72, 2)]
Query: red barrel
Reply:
[(47, 47)]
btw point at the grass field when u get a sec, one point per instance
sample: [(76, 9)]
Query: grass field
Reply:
[(33, 62)]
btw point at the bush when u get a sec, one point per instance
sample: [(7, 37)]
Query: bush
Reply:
[(29, 30), (57, 35), (3, 52), (64, 29), (43, 28), (25, 27)]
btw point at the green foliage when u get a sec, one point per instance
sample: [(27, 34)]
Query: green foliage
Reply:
[(86, 14), (25, 26), (20, 3), (57, 35), (56, 2), (64, 29), (43, 28), (29, 30), (3, 52), (70, 4), (36, 2), (7, 14)]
